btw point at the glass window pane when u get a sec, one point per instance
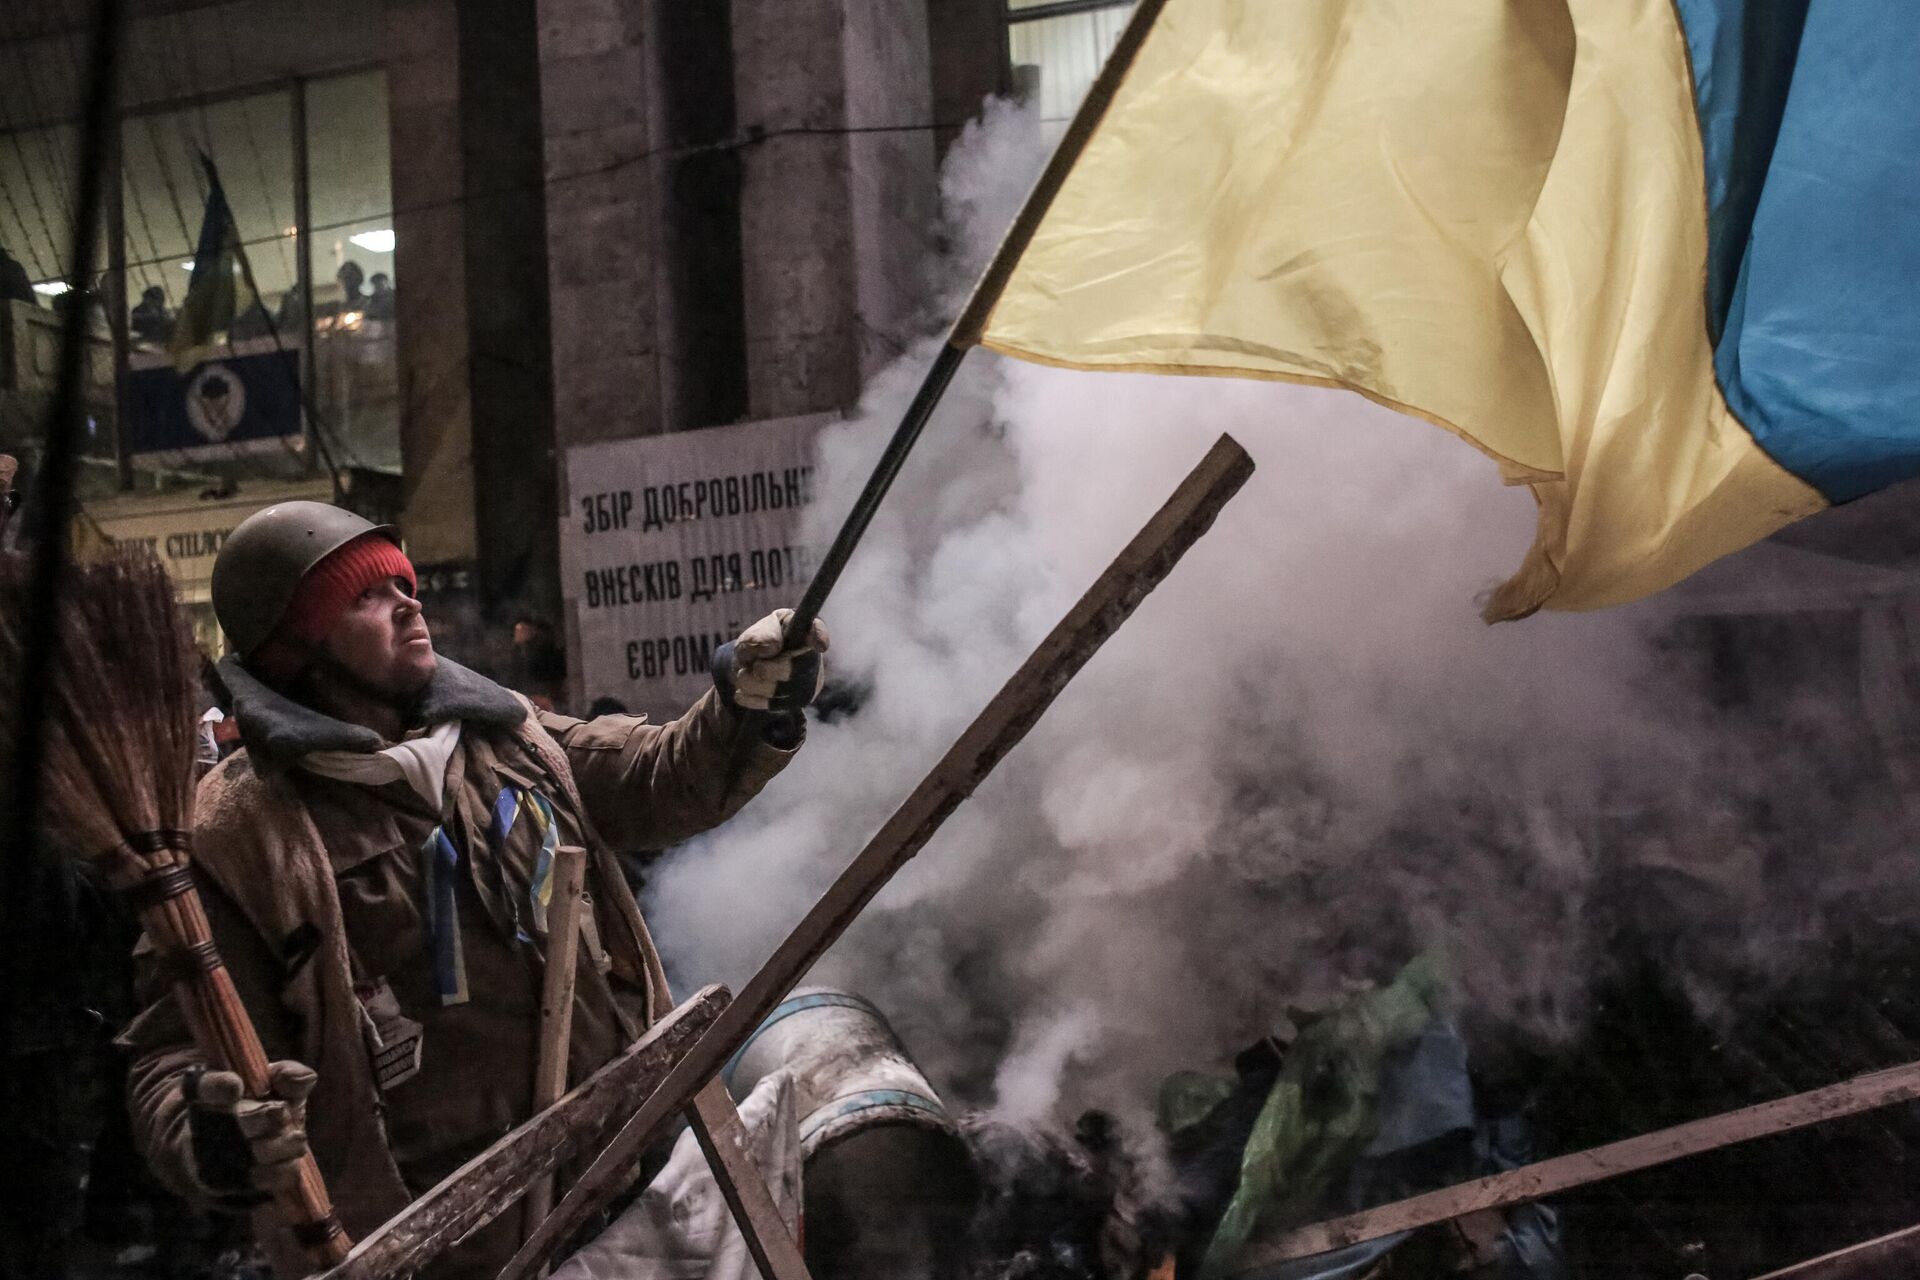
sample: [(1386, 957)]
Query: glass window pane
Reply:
[(162, 209), (351, 176), (242, 409), (251, 145), (1068, 51), (36, 203), (38, 192), (351, 194)]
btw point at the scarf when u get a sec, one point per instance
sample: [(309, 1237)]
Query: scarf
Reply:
[(419, 762)]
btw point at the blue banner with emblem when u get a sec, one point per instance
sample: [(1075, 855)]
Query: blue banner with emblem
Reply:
[(244, 400)]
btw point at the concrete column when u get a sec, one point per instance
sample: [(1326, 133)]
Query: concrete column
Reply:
[(697, 175), (893, 173), (477, 436), (429, 221), (601, 218), (837, 192), (968, 40), (503, 155), (741, 195)]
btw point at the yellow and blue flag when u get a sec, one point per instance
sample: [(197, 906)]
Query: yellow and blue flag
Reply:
[(1659, 258), (220, 287)]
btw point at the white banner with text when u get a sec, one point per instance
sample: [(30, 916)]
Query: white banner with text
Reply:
[(672, 544)]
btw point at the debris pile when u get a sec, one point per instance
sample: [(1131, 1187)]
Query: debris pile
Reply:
[(1059, 1205)]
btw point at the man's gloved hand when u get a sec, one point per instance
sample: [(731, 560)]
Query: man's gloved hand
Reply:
[(245, 1149), (754, 673)]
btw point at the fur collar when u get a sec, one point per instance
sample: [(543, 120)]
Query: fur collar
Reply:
[(277, 730)]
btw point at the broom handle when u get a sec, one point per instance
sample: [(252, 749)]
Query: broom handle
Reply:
[(224, 1034)]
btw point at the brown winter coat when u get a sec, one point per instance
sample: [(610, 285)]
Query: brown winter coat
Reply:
[(269, 881)]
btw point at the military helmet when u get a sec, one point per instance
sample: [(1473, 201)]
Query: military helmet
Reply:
[(261, 563)]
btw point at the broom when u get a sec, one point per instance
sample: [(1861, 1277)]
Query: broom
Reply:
[(117, 789)]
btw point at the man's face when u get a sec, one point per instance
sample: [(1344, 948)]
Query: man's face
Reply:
[(382, 640)]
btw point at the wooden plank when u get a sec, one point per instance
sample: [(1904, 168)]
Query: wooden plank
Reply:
[(568, 873), (490, 1183), (1888, 1257), (718, 1129), (1138, 569), (1549, 1177)]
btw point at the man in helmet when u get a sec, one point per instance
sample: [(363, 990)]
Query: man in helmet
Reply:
[(374, 865)]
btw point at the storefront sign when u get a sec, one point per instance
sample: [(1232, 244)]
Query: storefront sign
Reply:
[(672, 544), (187, 533)]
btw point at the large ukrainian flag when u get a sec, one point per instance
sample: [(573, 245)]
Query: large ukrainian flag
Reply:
[(1658, 258)]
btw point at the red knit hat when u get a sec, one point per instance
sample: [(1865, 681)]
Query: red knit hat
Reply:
[(323, 595)]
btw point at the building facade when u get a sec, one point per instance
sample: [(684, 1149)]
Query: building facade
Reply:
[(477, 234)]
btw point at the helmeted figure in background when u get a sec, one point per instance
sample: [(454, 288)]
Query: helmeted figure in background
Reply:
[(374, 865)]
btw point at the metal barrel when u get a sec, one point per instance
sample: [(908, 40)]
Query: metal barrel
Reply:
[(849, 1070), (888, 1183)]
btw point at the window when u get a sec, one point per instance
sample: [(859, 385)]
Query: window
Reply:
[(38, 190), (240, 404), (345, 394), (36, 204), (164, 193), (1062, 44), (350, 179)]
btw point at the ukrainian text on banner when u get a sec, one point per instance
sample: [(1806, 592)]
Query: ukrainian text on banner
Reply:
[(672, 544)]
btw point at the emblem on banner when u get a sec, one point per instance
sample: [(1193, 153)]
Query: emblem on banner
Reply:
[(216, 401)]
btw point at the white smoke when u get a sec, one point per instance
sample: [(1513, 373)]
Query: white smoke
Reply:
[(1302, 761)]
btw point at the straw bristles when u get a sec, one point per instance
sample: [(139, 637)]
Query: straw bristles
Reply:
[(117, 789), (119, 754)]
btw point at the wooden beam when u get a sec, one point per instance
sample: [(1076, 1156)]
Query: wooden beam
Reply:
[(567, 874), (718, 1129), (1549, 1177), (489, 1184), (1889, 1257), (1138, 569)]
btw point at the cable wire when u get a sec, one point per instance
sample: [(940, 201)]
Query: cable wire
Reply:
[(27, 169), (40, 272), (56, 170)]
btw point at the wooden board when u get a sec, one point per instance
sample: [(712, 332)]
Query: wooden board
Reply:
[(1109, 602), (568, 874), (721, 1134), (1888, 1257), (490, 1183), (1549, 1177)]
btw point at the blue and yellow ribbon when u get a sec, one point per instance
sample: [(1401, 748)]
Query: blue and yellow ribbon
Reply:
[(443, 860), (444, 864), (507, 808)]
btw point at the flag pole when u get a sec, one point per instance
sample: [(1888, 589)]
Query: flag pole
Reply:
[(972, 321), (302, 392)]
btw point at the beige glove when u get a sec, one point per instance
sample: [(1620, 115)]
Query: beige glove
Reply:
[(759, 675), (248, 1148)]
